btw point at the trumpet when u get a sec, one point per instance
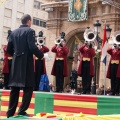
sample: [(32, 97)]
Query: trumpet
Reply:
[(40, 41), (58, 41)]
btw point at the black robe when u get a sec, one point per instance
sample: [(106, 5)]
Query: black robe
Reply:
[(21, 46)]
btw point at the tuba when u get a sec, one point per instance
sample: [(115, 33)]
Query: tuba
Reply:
[(116, 38), (40, 41), (90, 37)]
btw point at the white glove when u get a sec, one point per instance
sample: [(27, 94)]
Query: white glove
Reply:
[(46, 56), (113, 47), (95, 47)]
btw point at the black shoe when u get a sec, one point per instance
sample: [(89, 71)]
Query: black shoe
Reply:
[(111, 94), (35, 89), (56, 91), (27, 115), (24, 114), (83, 93), (117, 94), (60, 91), (6, 88), (88, 93), (8, 116)]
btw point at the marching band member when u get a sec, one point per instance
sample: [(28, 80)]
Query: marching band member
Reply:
[(86, 67), (113, 72), (6, 64), (40, 67), (59, 69)]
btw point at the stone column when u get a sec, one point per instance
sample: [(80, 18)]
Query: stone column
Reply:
[(107, 8)]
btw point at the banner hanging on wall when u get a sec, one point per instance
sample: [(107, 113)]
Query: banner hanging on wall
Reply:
[(78, 10)]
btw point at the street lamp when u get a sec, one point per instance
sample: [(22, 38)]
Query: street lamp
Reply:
[(97, 26), (108, 31)]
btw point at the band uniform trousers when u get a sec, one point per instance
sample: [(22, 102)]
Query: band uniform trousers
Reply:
[(14, 97), (6, 75), (86, 77), (115, 82), (38, 73), (59, 64)]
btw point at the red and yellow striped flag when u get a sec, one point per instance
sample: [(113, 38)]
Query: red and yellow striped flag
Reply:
[(5, 102), (64, 103)]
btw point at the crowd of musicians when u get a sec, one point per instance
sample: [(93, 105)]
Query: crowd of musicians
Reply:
[(59, 70), (24, 65)]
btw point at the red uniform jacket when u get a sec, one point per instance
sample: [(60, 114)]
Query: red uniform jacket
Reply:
[(115, 55), (88, 53), (60, 53), (44, 49), (5, 67)]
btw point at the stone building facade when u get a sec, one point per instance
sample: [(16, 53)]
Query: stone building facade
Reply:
[(12, 10), (58, 22), (51, 16)]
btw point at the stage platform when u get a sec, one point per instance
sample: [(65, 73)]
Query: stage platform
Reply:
[(65, 103)]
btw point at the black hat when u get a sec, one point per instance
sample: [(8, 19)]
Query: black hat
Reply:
[(62, 34), (9, 31), (41, 34)]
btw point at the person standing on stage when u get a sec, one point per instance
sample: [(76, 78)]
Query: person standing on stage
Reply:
[(21, 46), (59, 69), (73, 80), (40, 67), (86, 66), (113, 72), (6, 63)]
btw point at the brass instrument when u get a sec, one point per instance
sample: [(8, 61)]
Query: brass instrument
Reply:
[(116, 37), (115, 40), (58, 41), (40, 41), (90, 38)]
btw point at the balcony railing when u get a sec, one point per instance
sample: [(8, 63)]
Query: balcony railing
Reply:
[(112, 3), (60, 3)]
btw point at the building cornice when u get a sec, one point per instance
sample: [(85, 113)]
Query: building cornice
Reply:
[(63, 4), (54, 4)]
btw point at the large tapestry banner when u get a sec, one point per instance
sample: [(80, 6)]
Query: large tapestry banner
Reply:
[(78, 10)]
